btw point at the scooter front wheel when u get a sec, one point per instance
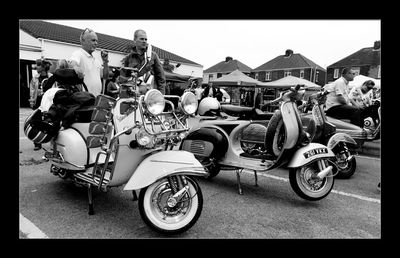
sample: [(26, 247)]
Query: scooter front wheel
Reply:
[(306, 184), (161, 213)]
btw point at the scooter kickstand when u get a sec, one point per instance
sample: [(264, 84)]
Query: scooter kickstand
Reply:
[(134, 196), (255, 178), (90, 195), (238, 181)]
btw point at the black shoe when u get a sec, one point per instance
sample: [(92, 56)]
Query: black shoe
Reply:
[(37, 147)]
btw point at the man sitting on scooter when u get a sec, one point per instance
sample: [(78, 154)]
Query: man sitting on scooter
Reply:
[(361, 97), (338, 104)]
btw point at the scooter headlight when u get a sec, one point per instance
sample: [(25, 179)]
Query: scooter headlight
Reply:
[(189, 103), (155, 102), (144, 139)]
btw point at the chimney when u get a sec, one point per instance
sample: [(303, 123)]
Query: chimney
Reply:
[(377, 45), (228, 58), (288, 52)]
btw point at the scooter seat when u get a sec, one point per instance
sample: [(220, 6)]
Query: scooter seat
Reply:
[(246, 113), (236, 110)]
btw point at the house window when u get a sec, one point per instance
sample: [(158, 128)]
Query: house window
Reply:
[(268, 76), (356, 70), (301, 73), (210, 77), (287, 73), (316, 76), (256, 76), (336, 73), (219, 75)]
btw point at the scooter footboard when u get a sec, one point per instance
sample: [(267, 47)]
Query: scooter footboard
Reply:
[(306, 154), (163, 164)]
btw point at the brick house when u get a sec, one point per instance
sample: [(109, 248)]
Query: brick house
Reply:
[(224, 67), (366, 61), (290, 64)]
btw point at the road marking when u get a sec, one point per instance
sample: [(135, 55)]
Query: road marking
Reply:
[(366, 157), (364, 198), (29, 229), (357, 196)]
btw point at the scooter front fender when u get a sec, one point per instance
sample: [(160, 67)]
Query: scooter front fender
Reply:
[(162, 164), (341, 137), (309, 153)]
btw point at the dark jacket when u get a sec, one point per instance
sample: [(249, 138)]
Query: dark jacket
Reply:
[(207, 90), (135, 60)]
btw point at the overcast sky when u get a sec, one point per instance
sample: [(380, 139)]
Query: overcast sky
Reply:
[(252, 42)]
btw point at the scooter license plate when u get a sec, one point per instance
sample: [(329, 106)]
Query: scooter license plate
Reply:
[(316, 151)]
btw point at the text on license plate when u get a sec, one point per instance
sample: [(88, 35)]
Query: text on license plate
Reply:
[(316, 151)]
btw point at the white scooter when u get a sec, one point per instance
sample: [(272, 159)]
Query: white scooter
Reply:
[(217, 141), (127, 143)]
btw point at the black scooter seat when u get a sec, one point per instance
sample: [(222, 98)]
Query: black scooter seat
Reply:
[(246, 113)]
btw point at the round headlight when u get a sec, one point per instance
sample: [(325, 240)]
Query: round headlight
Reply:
[(189, 103), (154, 101)]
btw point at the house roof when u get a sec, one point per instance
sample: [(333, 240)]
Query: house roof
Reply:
[(365, 56), (228, 66), (283, 62), (66, 34)]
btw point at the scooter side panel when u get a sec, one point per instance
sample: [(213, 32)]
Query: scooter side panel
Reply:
[(311, 152), (83, 128), (72, 147), (162, 164)]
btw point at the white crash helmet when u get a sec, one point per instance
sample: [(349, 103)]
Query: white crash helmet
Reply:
[(208, 104)]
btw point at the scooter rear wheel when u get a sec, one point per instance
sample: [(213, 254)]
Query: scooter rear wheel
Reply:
[(156, 212), (212, 167), (347, 169)]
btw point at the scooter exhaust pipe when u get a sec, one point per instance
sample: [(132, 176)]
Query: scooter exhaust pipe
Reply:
[(324, 172)]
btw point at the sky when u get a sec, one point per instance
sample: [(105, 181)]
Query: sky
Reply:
[(252, 42)]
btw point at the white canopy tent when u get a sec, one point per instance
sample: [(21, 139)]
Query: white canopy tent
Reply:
[(290, 81), (235, 78)]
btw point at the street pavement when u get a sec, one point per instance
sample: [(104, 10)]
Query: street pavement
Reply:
[(54, 208)]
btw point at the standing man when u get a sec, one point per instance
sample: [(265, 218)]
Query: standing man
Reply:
[(209, 91), (338, 104), (37, 87), (145, 64), (87, 66)]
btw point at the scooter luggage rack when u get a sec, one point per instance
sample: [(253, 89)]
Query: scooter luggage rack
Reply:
[(155, 119), (100, 184)]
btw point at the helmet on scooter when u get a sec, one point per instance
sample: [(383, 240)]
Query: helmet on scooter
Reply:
[(38, 130), (208, 105)]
